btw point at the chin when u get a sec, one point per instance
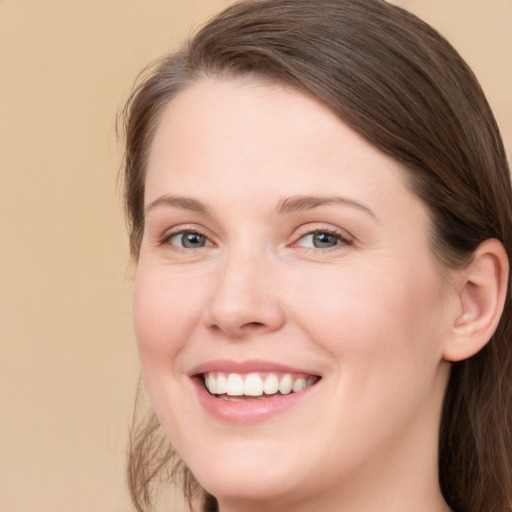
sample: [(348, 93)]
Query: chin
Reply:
[(262, 492), (254, 475)]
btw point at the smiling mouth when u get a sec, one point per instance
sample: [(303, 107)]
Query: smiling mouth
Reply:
[(255, 386)]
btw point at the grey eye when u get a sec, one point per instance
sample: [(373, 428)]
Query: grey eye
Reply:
[(324, 240), (189, 240), (320, 240)]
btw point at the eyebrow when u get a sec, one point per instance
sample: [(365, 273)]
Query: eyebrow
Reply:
[(286, 205), (186, 203), (301, 203)]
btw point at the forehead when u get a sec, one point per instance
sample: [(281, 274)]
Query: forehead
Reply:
[(229, 130)]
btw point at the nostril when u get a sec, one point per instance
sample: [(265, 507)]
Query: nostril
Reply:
[(252, 325)]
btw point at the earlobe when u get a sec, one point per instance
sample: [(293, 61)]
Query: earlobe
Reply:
[(482, 292)]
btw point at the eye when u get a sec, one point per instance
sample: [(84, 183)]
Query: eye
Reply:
[(189, 240), (321, 240)]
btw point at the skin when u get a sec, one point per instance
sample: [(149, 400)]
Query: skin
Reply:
[(372, 314)]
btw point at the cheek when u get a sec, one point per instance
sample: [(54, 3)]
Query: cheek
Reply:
[(382, 337), (382, 318), (165, 311), (164, 316)]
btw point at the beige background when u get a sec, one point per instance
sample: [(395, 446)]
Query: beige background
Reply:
[(68, 365)]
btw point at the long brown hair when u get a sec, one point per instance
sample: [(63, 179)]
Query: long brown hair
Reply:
[(398, 83)]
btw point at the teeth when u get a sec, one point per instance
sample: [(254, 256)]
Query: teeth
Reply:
[(286, 385), (221, 384), (271, 385), (299, 385), (235, 385), (254, 385)]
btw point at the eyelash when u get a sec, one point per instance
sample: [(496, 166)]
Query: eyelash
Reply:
[(341, 237)]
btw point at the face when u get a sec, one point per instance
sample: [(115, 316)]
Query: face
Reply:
[(289, 314)]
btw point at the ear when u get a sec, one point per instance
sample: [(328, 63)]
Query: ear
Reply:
[(482, 289)]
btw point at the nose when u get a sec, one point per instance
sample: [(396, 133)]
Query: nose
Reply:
[(245, 298)]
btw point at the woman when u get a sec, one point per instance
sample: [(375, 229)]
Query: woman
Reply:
[(320, 209)]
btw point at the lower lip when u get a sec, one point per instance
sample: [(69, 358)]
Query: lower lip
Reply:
[(248, 411)]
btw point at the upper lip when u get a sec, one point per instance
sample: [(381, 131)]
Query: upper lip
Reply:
[(252, 366)]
